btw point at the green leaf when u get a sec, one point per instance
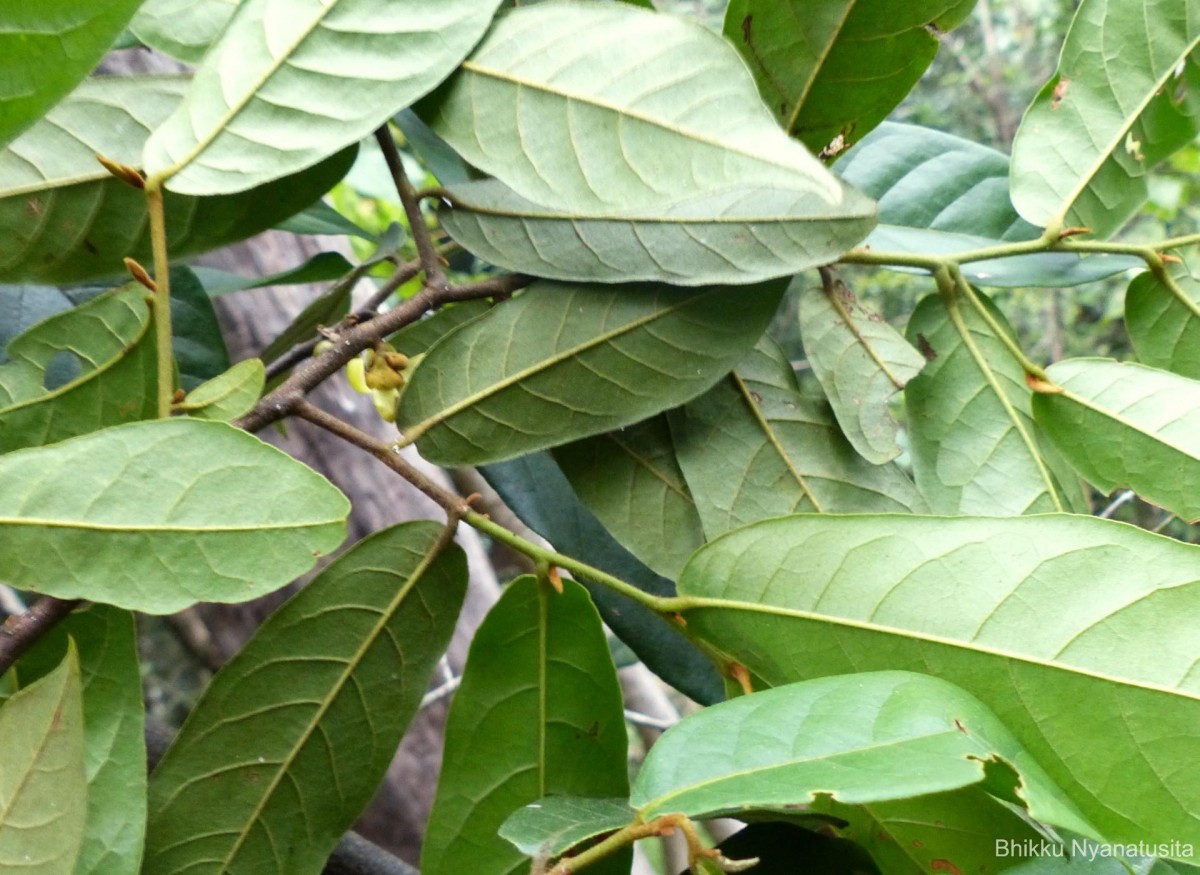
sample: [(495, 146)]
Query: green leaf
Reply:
[(79, 371), (1163, 320), (43, 785), (1127, 425), (536, 490), (861, 363), (831, 72), (630, 479), (446, 165), (316, 702), (555, 824), (65, 219), (227, 396), (197, 341), (538, 713), (183, 29), (284, 87), (416, 339), (1126, 95), (114, 739), (1032, 615), (975, 447), (155, 516), (910, 735), (1081, 856), (941, 195), (23, 306), (735, 235), (607, 357), (754, 447), (322, 267), (46, 48), (322, 219)]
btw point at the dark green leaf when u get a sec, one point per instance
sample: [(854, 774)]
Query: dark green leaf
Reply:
[(321, 267), (322, 219), (198, 343), (417, 338), (314, 706), (435, 153), (1164, 322)]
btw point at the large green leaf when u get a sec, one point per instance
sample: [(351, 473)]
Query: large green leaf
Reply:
[(941, 195), (536, 490), (861, 363), (1164, 321), (315, 704), (114, 739), (832, 71), (155, 516), (46, 48), (79, 371), (631, 481), (538, 713), (64, 218), (43, 785), (1126, 95), (754, 447), (735, 235), (183, 29), (285, 86), (857, 738), (1127, 425), (975, 447), (605, 358), (1033, 615)]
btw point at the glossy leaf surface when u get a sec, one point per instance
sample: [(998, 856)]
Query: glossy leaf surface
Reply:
[(156, 516), (538, 713), (332, 69), (1029, 614), (1164, 321), (317, 703), (861, 363), (753, 447), (606, 357), (1127, 425)]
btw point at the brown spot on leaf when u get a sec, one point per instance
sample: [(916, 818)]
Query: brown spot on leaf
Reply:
[(747, 24), (940, 865), (1060, 91), (926, 348), (958, 725)]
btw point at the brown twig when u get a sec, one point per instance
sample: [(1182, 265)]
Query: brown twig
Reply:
[(21, 631), (431, 263)]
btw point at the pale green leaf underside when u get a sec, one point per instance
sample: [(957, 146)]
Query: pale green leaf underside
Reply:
[(910, 735), (290, 83), (316, 703), (183, 29), (1163, 325), (606, 357), (975, 447), (64, 218), (1128, 425), (555, 824), (538, 713), (861, 363), (753, 447), (229, 395), (1032, 615), (46, 48), (1123, 98), (43, 786), (156, 516)]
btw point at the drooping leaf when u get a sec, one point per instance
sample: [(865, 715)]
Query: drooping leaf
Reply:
[(538, 713), (1127, 425), (65, 219), (317, 702), (79, 371), (1163, 326), (322, 219), (321, 267), (227, 396), (183, 29), (861, 363), (735, 235), (1125, 96), (46, 48), (155, 516), (43, 785), (607, 357), (114, 740), (975, 447), (555, 824), (631, 481), (1032, 615), (536, 490), (286, 86), (197, 340), (941, 195), (753, 447), (835, 70)]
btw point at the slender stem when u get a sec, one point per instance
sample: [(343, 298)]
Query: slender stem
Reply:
[(431, 263), (21, 631), (162, 296), (1026, 363), (619, 839)]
